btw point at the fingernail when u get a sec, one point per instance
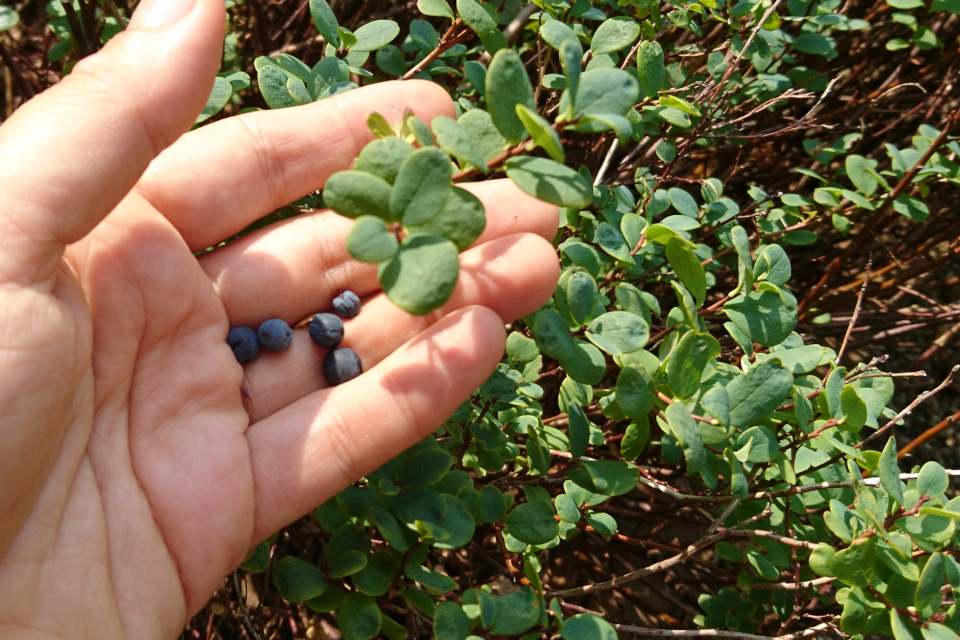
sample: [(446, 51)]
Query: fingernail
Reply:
[(156, 13)]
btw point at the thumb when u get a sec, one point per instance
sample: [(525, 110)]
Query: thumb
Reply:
[(70, 155)]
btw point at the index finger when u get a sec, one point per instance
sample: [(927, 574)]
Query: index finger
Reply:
[(220, 178)]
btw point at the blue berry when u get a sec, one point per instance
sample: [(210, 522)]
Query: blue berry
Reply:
[(341, 365), (275, 335), (347, 304), (326, 330), (243, 341)]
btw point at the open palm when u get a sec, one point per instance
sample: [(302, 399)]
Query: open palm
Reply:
[(138, 460)]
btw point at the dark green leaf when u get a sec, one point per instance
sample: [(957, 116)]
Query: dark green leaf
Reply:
[(492, 507), (550, 181), (325, 21), (428, 578), (579, 430), (479, 125), (618, 332), (516, 612), (584, 363), (650, 68), (614, 34), (374, 35), (606, 477), (274, 86), (889, 470), (635, 439), (927, 598), (688, 268), (758, 392), (421, 187), (570, 55), (383, 158), (532, 522), (297, 580), (359, 617), (635, 393), (219, 95), (555, 33), (603, 91), (453, 139), (685, 430), (425, 467), (687, 361), (370, 241), (567, 508), (612, 242), (476, 16), (773, 265), (327, 73), (507, 85), (450, 622), (763, 316), (357, 193), (815, 44), (375, 578), (461, 220), (438, 8), (423, 274), (346, 551)]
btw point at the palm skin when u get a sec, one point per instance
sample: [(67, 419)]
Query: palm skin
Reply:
[(132, 475)]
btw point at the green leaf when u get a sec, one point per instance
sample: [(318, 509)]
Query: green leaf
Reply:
[(297, 580), (613, 243), (346, 551), (391, 61), (756, 444), (739, 487), (552, 334), (425, 467), (541, 132), (772, 265), (450, 622), (576, 296), (650, 68), (763, 316), (687, 361), (421, 187), (927, 597), (532, 522), (370, 241), (820, 559), (606, 477), (521, 348), (419, 599), (325, 21), (758, 392), (853, 408), (570, 55), (716, 402), (683, 202), (635, 392), (331, 600), (437, 8), (359, 617), (555, 33), (550, 181), (219, 95), (461, 220), (479, 125), (453, 139), (933, 480), (579, 430), (602, 91), (586, 626), (423, 274), (934, 630), (679, 104), (685, 430), (687, 266), (389, 528), (477, 16), (331, 71), (516, 612), (635, 439), (272, 81), (614, 34), (383, 159), (376, 578), (375, 34), (508, 85), (903, 629), (861, 174), (428, 578), (815, 44), (854, 565), (584, 363), (9, 18), (492, 507), (889, 470), (357, 193), (618, 332)]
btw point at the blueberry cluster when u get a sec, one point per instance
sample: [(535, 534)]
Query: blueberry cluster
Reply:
[(325, 329)]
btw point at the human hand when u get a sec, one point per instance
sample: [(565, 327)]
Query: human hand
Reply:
[(132, 477)]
